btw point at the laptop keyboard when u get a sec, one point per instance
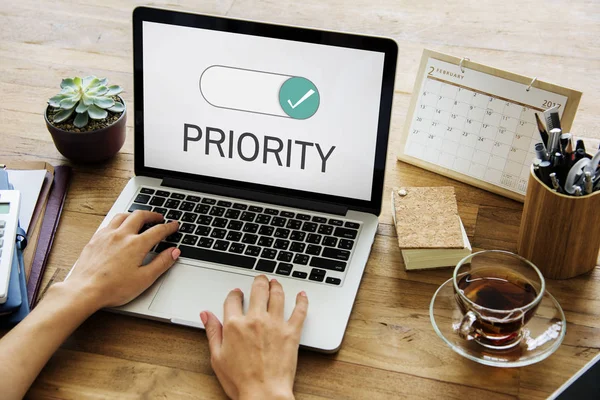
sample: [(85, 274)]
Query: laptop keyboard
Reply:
[(244, 235)]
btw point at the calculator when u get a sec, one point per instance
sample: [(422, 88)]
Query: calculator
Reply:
[(9, 220)]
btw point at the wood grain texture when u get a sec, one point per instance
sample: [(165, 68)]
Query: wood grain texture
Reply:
[(390, 349)]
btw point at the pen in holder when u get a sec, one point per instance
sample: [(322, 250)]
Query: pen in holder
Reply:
[(560, 234)]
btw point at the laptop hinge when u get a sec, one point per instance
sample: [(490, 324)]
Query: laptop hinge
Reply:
[(253, 195)]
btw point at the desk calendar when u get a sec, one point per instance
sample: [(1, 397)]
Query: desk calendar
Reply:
[(477, 124)]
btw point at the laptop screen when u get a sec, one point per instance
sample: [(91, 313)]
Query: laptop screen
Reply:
[(262, 110)]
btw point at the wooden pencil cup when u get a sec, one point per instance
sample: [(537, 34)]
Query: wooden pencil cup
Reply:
[(560, 234)]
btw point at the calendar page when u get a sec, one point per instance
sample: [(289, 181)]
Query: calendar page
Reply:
[(477, 124)]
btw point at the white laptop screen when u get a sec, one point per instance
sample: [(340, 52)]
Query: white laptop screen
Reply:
[(261, 110)]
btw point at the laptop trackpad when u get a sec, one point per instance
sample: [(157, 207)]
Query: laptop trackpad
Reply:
[(188, 290)]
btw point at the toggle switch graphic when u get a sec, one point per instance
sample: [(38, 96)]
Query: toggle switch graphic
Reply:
[(259, 92)]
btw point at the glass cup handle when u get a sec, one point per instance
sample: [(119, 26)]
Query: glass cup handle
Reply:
[(466, 328)]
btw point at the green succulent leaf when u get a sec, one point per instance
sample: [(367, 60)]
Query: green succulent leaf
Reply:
[(81, 107), (68, 90), (94, 82), (62, 115), (55, 100), (103, 81), (104, 102), (68, 103), (96, 112), (113, 90), (88, 100), (86, 81), (77, 81), (68, 83), (81, 120), (118, 107), (97, 91)]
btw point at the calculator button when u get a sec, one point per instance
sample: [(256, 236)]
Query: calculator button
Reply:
[(1, 242), (2, 224), (1, 232)]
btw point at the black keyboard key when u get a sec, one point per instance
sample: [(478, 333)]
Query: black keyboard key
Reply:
[(316, 271), (313, 238), (313, 250), (232, 214), (217, 257), (205, 242), (221, 245), (204, 220), (299, 274), (303, 217), (336, 222), (177, 196), (147, 191), (162, 246), (281, 233), (202, 209), (271, 211), (255, 209), (345, 233), (263, 219), (325, 229), (320, 220), (343, 255), (190, 240), (188, 217), (249, 238), (162, 193), (157, 201), (134, 207), (297, 247), (160, 210), (298, 236), (265, 241), (284, 269), (174, 238), (234, 236), (217, 211), (287, 214), (235, 225), (266, 230), (346, 244), (142, 199), (285, 256), (330, 264), (239, 206), (174, 214), (330, 241), (352, 225), (268, 253), (194, 199), (294, 224), (316, 277), (237, 248), (187, 228), (174, 204), (265, 265), (206, 200), (218, 233), (301, 259), (281, 244), (224, 203), (252, 251), (309, 227), (219, 222), (250, 227), (278, 221), (333, 281), (247, 216), (202, 230), (187, 206)]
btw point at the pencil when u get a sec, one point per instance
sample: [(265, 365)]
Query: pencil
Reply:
[(542, 129)]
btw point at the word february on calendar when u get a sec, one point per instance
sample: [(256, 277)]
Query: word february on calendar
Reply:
[(477, 124)]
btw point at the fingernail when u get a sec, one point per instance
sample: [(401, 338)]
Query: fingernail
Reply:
[(303, 293), (175, 254), (237, 290), (204, 317), (273, 280)]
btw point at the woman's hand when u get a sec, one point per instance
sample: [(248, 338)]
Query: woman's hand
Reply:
[(109, 270), (255, 355)]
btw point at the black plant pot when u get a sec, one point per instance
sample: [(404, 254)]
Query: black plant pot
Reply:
[(89, 147)]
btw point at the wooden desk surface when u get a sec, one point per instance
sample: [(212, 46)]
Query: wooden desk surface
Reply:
[(390, 349)]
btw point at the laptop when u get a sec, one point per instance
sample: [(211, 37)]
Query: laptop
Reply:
[(268, 144)]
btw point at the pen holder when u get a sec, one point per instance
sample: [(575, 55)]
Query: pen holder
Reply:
[(560, 234)]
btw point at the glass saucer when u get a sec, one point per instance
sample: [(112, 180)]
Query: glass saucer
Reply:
[(542, 335)]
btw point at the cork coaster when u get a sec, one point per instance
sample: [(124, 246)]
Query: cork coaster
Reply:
[(427, 217)]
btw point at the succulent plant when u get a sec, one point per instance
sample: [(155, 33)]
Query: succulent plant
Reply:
[(88, 98)]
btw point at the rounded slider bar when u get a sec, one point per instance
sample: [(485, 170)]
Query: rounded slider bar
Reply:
[(259, 92)]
